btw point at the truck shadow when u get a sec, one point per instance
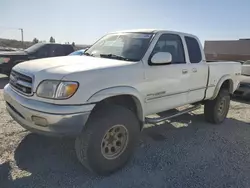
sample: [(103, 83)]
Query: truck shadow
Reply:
[(42, 158), (52, 162), (241, 100)]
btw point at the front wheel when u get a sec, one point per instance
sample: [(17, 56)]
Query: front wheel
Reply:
[(107, 142), (216, 110)]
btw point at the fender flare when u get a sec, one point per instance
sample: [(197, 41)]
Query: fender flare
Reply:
[(120, 90), (219, 84)]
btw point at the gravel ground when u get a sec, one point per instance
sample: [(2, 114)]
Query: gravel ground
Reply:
[(186, 152)]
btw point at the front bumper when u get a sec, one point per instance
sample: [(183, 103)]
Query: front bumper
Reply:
[(46, 118)]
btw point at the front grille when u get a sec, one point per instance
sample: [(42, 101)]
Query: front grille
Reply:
[(20, 82)]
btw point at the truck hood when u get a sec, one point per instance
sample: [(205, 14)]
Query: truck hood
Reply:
[(61, 66), (13, 53)]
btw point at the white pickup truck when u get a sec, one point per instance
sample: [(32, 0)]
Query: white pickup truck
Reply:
[(105, 97)]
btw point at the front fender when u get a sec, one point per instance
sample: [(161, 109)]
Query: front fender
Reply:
[(120, 90)]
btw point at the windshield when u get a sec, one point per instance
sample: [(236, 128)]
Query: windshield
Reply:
[(124, 46), (34, 47)]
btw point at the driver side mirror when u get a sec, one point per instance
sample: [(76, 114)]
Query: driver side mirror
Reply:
[(161, 58)]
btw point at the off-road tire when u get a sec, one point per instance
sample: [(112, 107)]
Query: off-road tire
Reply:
[(88, 144), (212, 108)]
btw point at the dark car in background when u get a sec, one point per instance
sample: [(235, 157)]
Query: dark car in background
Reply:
[(37, 51)]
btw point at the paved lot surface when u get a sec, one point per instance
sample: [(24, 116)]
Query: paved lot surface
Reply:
[(197, 155)]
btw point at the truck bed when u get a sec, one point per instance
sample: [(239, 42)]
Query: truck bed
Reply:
[(219, 68)]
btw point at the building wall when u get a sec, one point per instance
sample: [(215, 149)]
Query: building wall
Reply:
[(227, 50), (227, 57)]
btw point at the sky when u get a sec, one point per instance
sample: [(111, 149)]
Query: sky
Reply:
[(85, 21)]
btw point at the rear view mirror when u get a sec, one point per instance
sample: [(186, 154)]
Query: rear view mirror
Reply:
[(161, 58)]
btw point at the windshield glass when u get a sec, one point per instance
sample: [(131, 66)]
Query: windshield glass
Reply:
[(125, 46), (34, 47)]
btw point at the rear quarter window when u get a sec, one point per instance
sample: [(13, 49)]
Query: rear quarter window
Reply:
[(194, 50)]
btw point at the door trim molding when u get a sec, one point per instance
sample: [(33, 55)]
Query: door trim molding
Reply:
[(148, 98), (162, 94)]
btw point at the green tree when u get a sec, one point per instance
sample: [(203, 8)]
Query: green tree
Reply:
[(35, 40), (52, 40)]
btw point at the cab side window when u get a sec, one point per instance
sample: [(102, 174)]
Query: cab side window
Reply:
[(173, 44), (194, 50)]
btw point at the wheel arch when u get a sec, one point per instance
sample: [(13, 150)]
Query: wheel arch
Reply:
[(125, 96), (225, 82)]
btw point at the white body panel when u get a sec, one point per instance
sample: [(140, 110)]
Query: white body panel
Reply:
[(218, 70), (197, 81), (166, 89), (158, 88)]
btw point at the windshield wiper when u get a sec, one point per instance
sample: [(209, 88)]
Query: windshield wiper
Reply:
[(116, 57)]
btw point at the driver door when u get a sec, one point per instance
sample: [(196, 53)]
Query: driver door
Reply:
[(166, 86)]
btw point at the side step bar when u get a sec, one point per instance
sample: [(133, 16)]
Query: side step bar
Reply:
[(160, 119)]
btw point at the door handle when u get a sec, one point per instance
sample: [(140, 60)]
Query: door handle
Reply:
[(194, 70), (184, 71)]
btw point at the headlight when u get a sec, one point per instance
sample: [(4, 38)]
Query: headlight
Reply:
[(56, 89), (66, 90), (4, 60)]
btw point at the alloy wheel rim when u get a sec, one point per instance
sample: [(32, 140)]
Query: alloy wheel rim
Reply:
[(222, 107), (114, 142)]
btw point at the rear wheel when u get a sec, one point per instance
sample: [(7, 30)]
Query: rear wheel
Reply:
[(107, 142), (216, 110)]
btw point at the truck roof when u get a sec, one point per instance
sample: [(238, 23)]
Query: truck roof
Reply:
[(152, 31), (48, 43)]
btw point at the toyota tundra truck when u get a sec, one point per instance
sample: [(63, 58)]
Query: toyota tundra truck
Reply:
[(106, 96)]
